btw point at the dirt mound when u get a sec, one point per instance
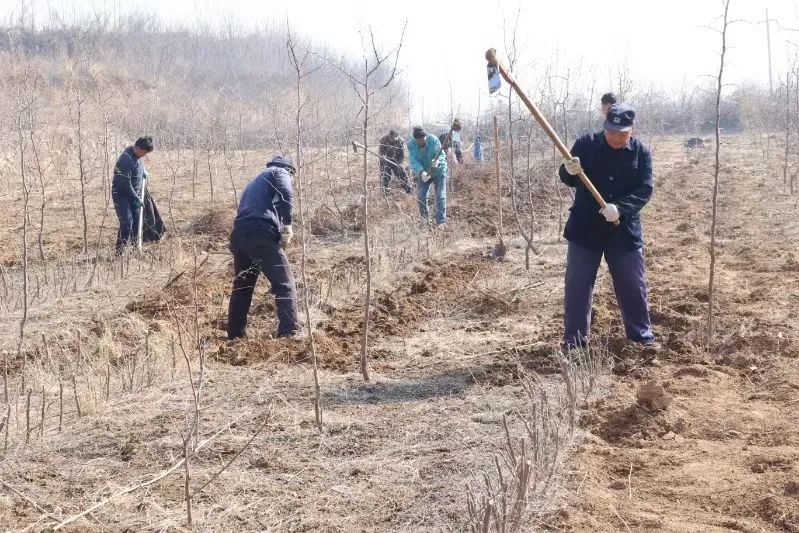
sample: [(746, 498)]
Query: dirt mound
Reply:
[(330, 353), (325, 222), (653, 397), (214, 224), (188, 291), (436, 288), (399, 311), (511, 361)]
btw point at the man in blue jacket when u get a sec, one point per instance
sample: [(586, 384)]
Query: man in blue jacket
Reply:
[(430, 170), (260, 232), (126, 190), (620, 167)]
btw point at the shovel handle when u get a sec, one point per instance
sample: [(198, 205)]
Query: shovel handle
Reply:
[(447, 138), (491, 57)]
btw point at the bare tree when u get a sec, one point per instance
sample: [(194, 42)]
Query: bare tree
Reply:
[(623, 81), (298, 63), (787, 126), (373, 78), (526, 228), (82, 173), (24, 83), (40, 172), (716, 170)]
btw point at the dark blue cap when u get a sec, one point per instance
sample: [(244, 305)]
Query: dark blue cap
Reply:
[(282, 161), (621, 117)]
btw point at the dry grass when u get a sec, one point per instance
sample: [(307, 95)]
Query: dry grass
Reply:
[(524, 484), (455, 342), (123, 335)]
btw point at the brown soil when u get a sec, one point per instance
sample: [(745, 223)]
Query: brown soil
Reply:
[(451, 334), (723, 456)]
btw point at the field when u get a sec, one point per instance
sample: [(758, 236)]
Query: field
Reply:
[(124, 370)]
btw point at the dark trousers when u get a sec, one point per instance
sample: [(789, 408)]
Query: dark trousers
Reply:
[(128, 221), (456, 146), (389, 170), (256, 248), (629, 282)]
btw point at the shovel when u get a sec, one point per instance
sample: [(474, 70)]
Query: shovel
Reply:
[(495, 68), (499, 250), (447, 139), (140, 229)]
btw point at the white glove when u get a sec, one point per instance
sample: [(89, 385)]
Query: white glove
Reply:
[(435, 163), (286, 235), (572, 165), (610, 212), (425, 176)]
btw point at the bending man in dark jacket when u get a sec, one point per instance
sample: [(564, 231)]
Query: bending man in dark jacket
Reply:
[(262, 225), (620, 167), (392, 151), (126, 190)]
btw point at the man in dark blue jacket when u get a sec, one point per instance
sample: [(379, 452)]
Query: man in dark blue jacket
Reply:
[(126, 190), (620, 167), (260, 232)]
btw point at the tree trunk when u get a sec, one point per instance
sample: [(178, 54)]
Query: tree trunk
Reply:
[(366, 250), (717, 167), (303, 249)]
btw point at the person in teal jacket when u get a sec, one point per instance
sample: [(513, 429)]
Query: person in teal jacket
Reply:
[(422, 148)]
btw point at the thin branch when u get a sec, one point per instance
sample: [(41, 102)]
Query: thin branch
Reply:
[(236, 456), (29, 500), (155, 479)]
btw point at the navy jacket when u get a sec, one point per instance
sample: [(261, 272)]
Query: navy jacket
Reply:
[(624, 178), (268, 197), (128, 175)]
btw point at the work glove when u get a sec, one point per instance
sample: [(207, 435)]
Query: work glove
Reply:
[(425, 176), (610, 212), (286, 235), (572, 165), (136, 203)]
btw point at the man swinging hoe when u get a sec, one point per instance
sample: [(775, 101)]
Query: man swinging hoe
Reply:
[(604, 219)]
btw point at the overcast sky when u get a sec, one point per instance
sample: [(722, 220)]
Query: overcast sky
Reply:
[(664, 42)]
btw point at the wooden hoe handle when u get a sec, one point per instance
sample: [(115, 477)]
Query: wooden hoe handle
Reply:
[(491, 57)]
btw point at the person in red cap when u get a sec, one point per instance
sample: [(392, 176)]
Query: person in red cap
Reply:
[(261, 231)]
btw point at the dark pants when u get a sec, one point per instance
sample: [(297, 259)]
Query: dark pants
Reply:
[(629, 281), (389, 170), (128, 221), (256, 248), (456, 146)]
